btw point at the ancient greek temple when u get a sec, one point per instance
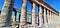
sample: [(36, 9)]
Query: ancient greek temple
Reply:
[(46, 17)]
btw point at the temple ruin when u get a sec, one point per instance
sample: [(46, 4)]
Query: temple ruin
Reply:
[(44, 19)]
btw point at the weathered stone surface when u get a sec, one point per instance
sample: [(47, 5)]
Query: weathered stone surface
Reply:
[(6, 12), (40, 16), (23, 18), (33, 14), (45, 17)]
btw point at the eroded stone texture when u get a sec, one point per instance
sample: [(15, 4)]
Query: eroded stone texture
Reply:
[(14, 20), (45, 16), (33, 14), (23, 18), (40, 16), (48, 16), (6, 13)]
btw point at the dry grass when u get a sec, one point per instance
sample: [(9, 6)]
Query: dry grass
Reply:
[(57, 26)]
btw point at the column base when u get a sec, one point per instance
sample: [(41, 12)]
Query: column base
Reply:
[(9, 26), (32, 26), (24, 26), (45, 26), (5, 26)]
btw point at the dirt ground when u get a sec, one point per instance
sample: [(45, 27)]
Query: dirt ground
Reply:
[(57, 26)]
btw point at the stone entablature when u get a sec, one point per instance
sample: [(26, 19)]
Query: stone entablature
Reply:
[(45, 5)]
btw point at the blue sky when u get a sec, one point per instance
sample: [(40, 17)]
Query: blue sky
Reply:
[(54, 3), (18, 4)]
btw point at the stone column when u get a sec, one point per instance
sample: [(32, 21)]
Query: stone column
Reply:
[(14, 21), (45, 17), (37, 19), (6, 13), (48, 16), (34, 14), (23, 14), (40, 17), (52, 17), (56, 16)]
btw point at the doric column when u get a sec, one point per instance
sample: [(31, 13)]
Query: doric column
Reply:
[(6, 13), (45, 17), (48, 16), (51, 15), (33, 14), (23, 14), (51, 18), (37, 19), (54, 16), (40, 16)]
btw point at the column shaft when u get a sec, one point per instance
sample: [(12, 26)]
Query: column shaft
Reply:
[(37, 19), (48, 16), (40, 16), (23, 18), (52, 17), (45, 17), (33, 14), (6, 12)]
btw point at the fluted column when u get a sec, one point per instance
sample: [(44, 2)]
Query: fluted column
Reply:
[(37, 20), (48, 16), (40, 16), (56, 16), (23, 14), (52, 18), (6, 13), (51, 15), (33, 14), (45, 17)]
